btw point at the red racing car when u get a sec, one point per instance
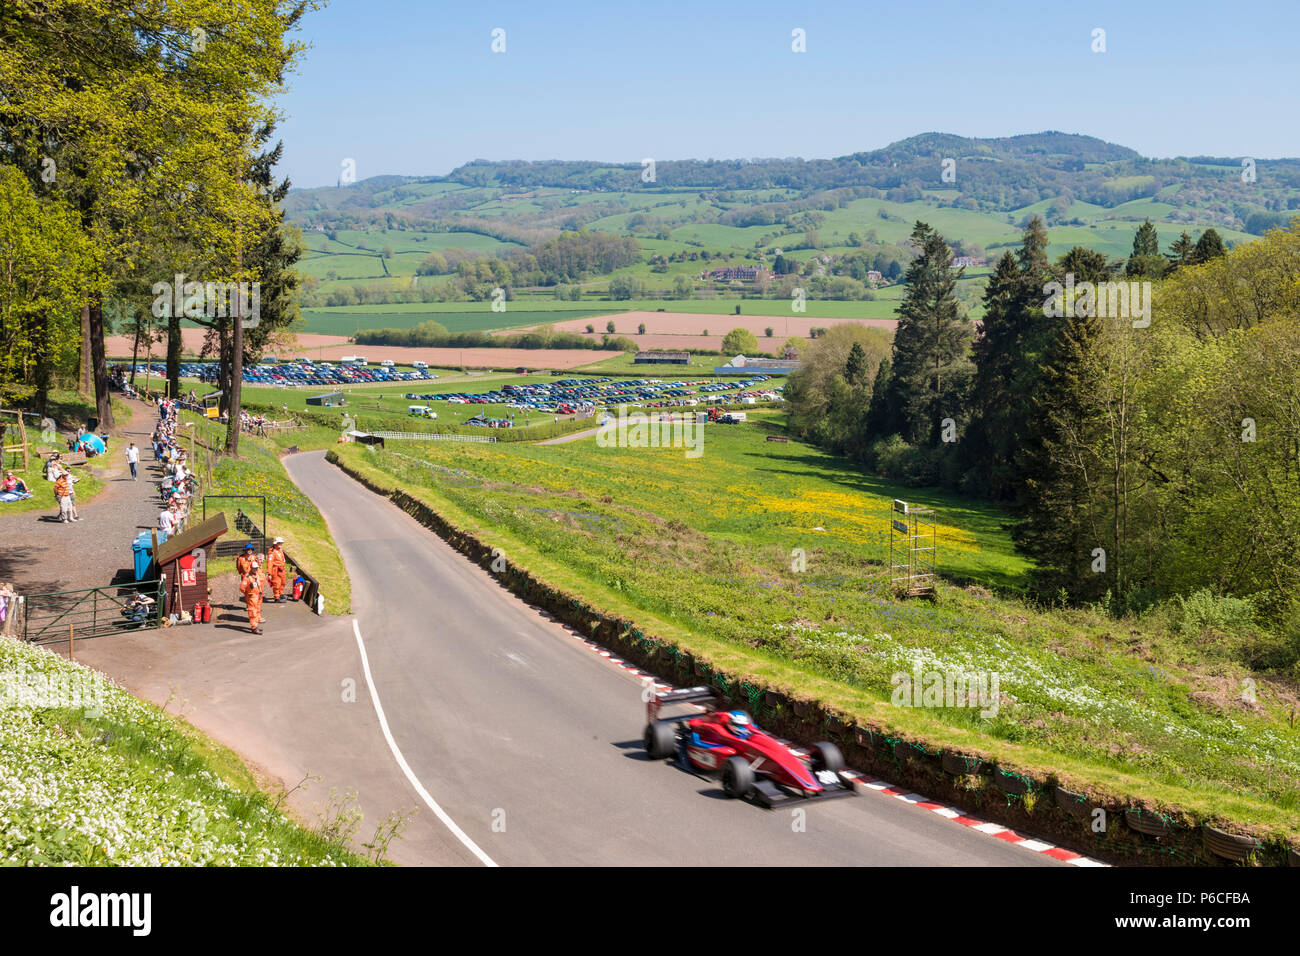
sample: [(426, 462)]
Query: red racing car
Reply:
[(751, 762)]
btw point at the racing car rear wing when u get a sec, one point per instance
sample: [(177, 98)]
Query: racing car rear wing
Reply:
[(684, 695)]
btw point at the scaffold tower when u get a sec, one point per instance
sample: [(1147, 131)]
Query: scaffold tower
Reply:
[(913, 554)]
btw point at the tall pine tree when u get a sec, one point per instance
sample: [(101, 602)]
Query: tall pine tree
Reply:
[(931, 365), (1060, 526), (1004, 356), (1146, 260)]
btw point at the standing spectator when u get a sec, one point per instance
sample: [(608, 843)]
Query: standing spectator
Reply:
[(72, 493), (63, 495), (165, 524), (133, 459)]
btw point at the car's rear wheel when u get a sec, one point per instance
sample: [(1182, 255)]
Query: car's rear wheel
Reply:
[(737, 777), (660, 739), (826, 756)]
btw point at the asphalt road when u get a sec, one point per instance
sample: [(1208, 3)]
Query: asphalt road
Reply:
[(530, 743)]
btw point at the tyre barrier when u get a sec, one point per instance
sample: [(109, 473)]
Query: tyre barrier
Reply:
[(1149, 838), (1075, 804), (1148, 822), (1230, 846), (961, 765)]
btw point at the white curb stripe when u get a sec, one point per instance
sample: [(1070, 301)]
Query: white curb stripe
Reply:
[(441, 814)]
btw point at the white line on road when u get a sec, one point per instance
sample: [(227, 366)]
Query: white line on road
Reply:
[(441, 814)]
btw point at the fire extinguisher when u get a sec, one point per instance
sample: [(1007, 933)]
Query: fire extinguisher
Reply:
[(297, 589), (207, 613)]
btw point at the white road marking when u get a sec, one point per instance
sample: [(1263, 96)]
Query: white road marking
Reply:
[(441, 814)]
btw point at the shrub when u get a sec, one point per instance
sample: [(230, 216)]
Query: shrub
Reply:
[(1203, 608)]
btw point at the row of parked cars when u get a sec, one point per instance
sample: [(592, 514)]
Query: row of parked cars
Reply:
[(303, 372), (568, 396)]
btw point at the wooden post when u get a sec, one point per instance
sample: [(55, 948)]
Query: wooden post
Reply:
[(22, 437), (71, 655)]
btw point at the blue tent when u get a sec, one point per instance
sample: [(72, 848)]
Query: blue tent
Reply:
[(91, 442)]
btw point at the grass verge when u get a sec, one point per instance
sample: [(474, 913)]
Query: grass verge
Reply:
[(90, 775)]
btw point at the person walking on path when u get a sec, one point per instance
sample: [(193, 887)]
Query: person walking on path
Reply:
[(275, 570), (250, 586), (133, 459), (63, 495)]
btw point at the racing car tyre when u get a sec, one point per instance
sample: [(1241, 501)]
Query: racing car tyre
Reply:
[(737, 777), (660, 739), (826, 756)]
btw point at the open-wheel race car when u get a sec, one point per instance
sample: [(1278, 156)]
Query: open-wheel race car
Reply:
[(750, 762)]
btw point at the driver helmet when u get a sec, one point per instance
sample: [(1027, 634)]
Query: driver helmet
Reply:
[(741, 725)]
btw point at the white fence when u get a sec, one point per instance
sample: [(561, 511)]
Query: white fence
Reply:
[(425, 436)]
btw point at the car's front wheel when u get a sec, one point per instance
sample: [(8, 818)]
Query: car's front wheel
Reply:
[(737, 777), (826, 756)]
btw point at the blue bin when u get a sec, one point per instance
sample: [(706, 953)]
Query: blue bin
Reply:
[(142, 549)]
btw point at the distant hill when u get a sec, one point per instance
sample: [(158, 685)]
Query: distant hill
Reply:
[(999, 175)]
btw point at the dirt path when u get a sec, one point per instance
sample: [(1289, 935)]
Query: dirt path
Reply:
[(38, 553)]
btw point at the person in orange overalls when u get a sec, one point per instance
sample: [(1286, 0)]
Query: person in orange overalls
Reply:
[(275, 570), (250, 586), (243, 562)]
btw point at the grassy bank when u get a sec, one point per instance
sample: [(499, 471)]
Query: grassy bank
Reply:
[(90, 775), (702, 553)]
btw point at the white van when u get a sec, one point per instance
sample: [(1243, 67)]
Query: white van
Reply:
[(421, 411), (353, 360), (387, 363), (419, 365)]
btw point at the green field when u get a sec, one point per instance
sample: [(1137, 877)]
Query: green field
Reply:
[(348, 320), (700, 551)]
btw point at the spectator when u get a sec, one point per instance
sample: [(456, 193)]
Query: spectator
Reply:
[(72, 492), (13, 483), (133, 459), (165, 523), (63, 495)]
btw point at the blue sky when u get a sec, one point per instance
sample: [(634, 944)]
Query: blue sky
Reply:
[(412, 86)]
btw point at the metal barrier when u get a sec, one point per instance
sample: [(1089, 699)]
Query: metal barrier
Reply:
[(424, 436), (90, 612), (256, 537)]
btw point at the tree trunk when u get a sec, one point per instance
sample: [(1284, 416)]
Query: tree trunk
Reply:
[(173, 354), (85, 381), (103, 400), (44, 372), (223, 368), (135, 348), (236, 377)]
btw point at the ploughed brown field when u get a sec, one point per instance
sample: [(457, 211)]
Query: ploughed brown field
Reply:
[(681, 330), (331, 348)]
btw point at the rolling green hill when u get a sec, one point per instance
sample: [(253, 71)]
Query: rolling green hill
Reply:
[(370, 242)]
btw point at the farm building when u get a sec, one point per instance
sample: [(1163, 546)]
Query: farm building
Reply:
[(329, 398), (740, 365), (662, 358), (738, 274)]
